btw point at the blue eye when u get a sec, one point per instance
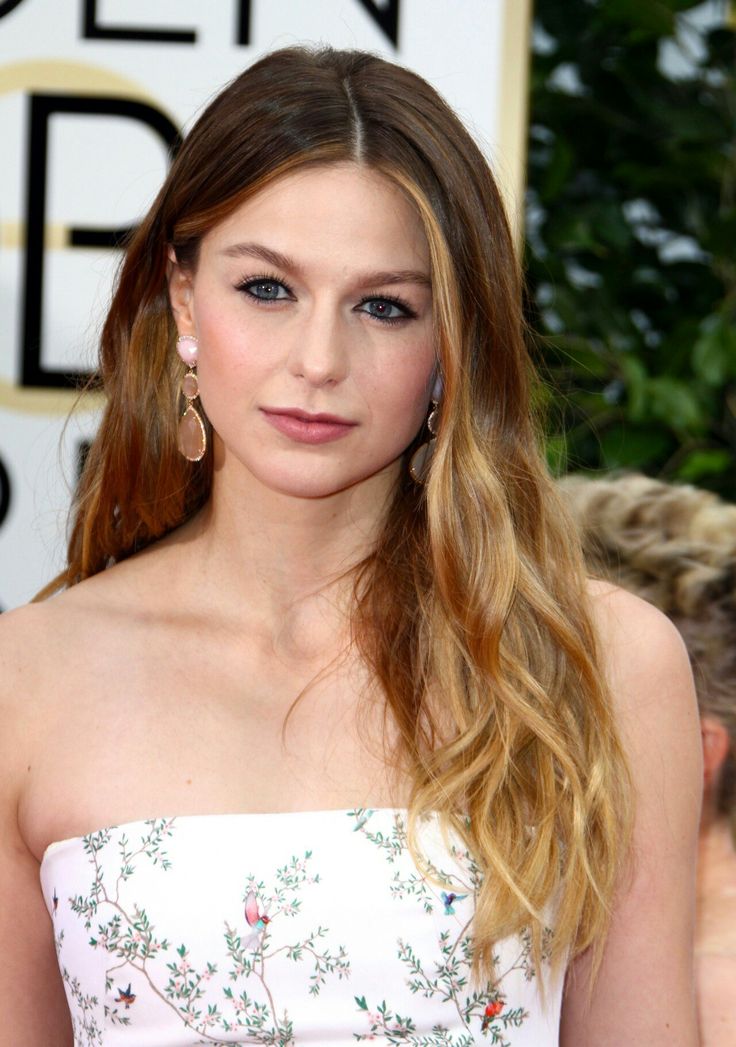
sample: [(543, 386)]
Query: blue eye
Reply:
[(389, 310), (265, 289)]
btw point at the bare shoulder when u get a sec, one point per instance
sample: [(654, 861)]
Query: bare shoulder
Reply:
[(654, 701), (642, 652), (46, 648), (39, 645), (39, 640), (622, 617), (27, 638)]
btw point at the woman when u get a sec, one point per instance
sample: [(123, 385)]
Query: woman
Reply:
[(675, 546), (324, 656)]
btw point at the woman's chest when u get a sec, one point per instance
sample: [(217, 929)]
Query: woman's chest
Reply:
[(133, 744)]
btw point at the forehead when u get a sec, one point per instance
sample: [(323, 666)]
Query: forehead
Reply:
[(346, 208)]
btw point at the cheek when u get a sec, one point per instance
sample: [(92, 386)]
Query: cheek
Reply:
[(401, 398), (232, 356)]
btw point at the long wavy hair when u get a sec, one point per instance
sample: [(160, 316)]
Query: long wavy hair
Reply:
[(675, 545), (473, 600)]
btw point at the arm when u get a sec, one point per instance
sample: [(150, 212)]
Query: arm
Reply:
[(644, 994), (33, 1009)]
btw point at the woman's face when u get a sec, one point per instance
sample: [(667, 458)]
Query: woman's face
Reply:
[(313, 298)]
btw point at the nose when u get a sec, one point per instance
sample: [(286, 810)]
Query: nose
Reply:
[(319, 353)]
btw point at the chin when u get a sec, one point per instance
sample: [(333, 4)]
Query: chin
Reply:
[(313, 486), (302, 486)]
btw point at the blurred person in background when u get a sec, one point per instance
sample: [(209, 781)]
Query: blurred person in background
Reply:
[(675, 545)]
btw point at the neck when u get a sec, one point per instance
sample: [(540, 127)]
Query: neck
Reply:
[(276, 559)]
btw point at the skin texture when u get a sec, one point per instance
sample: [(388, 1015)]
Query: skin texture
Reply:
[(161, 685)]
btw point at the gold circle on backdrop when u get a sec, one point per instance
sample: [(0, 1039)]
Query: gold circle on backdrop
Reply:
[(58, 75)]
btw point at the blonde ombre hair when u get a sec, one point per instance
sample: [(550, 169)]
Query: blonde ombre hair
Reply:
[(472, 608)]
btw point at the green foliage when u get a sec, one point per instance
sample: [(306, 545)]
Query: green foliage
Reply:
[(631, 236)]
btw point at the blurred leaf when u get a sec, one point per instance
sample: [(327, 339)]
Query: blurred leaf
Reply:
[(651, 15), (579, 354), (558, 170), (635, 376), (682, 5), (626, 447), (674, 403), (699, 464), (556, 448), (714, 353), (722, 47), (720, 237)]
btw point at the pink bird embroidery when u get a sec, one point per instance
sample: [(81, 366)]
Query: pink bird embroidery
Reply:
[(256, 920)]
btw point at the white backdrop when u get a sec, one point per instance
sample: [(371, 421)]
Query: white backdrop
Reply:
[(89, 92)]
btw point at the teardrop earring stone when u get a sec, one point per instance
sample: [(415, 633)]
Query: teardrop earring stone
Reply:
[(192, 437), (419, 464)]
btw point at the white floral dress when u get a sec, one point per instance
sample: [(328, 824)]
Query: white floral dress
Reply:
[(305, 928)]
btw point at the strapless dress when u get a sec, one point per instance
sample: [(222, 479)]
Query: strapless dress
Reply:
[(297, 928)]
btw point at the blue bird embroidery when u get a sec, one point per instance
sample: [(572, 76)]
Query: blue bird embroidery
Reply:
[(449, 899), (126, 996)]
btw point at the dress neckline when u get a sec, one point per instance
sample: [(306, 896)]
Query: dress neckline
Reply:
[(57, 845)]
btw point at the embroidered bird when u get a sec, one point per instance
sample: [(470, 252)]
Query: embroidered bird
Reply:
[(492, 1011), (449, 899), (256, 920), (126, 996)]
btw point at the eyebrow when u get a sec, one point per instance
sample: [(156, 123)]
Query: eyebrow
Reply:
[(282, 261)]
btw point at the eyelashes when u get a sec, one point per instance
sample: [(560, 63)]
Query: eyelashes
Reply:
[(268, 283), (393, 302), (266, 288)]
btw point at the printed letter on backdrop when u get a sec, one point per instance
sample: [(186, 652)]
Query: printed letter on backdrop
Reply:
[(43, 108)]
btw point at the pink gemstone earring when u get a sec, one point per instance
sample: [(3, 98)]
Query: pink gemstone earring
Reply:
[(192, 437), (419, 463)]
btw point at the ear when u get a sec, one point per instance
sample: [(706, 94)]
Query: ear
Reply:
[(180, 294), (716, 743)]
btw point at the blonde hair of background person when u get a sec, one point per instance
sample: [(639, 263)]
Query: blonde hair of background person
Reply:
[(446, 649), (675, 545)]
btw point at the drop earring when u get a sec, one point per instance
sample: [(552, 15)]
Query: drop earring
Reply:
[(192, 436), (420, 460)]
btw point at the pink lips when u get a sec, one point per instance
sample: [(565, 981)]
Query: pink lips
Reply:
[(305, 427)]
